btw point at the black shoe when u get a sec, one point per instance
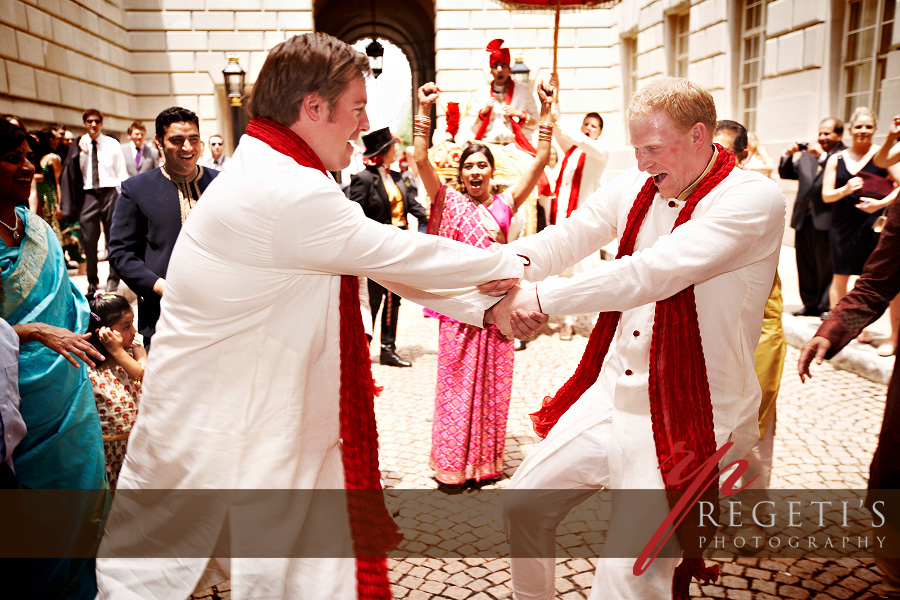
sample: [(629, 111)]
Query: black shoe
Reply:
[(112, 285), (391, 359), (806, 312)]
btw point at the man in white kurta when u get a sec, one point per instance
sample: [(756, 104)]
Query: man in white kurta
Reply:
[(584, 141), (243, 388), (577, 143), (499, 104), (729, 251)]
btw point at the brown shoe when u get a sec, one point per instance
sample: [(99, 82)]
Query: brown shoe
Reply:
[(565, 332)]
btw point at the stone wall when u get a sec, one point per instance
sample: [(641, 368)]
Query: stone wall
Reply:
[(179, 48), (133, 58), (58, 57)]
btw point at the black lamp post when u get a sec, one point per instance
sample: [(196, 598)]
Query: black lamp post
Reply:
[(520, 71), (234, 87), (375, 52)]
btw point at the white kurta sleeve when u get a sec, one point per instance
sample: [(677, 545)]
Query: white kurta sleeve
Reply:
[(332, 235), (594, 149), (743, 226), (364, 306), (560, 246)]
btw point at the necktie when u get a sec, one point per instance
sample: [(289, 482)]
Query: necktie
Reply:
[(95, 166), (137, 157)]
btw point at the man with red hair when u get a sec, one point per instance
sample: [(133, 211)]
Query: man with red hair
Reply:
[(502, 112), (683, 303)]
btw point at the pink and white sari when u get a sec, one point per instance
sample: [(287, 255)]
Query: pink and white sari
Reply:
[(475, 366)]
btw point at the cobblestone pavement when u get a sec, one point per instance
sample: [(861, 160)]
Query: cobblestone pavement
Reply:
[(826, 432), (812, 451)]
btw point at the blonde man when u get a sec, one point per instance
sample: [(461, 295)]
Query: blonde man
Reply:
[(720, 262)]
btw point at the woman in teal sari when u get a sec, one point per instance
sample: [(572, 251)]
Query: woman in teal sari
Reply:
[(62, 448)]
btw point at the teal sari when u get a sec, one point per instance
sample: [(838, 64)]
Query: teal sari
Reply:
[(63, 447)]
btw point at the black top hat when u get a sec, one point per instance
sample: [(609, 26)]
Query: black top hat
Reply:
[(378, 141)]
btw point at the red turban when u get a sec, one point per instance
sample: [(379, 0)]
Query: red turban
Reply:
[(498, 54)]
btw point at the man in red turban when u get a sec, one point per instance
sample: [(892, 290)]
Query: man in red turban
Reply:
[(502, 112)]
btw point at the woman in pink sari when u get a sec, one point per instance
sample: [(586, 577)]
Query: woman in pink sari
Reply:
[(475, 366)]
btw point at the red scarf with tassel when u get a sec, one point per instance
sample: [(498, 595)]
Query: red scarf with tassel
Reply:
[(373, 531), (573, 191), (680, 405)]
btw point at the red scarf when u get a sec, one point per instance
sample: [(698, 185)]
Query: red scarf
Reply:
[(574, 190), (680, 405), (519, 135), (522, 142), (374, 532)]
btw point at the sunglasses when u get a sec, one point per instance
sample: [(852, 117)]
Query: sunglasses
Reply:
[(93, 121), (215, 143)]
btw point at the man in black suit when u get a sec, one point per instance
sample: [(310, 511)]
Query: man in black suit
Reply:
[(811, 219), (385, 198), (151, 209), (92, 173), (139, 157)]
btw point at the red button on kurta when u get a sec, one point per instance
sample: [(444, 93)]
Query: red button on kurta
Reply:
[(629, 372), (636, 333), (672, 203)]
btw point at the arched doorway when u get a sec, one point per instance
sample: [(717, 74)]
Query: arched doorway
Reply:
[(409, 24)]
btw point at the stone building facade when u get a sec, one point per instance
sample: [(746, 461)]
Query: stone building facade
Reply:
[(777, 65)]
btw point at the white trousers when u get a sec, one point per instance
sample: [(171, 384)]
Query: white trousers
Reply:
[(581, 463)]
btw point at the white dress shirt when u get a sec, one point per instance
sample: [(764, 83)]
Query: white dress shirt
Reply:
[(110, 160)]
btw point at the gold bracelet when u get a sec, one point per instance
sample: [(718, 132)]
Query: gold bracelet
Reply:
[(421, 126), (545, 131)]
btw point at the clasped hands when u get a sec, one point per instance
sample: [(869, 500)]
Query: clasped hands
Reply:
[(518, 315)]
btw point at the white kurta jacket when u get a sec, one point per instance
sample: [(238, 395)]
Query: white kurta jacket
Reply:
[(242, 389), (729, 250), (498, 129), (596, 155)]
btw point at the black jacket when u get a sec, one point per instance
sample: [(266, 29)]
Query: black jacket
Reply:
[(367, 189), (71, 183), (146, 223), (809, 190)]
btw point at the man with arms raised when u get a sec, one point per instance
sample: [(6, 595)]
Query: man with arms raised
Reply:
[(260, 377), (151, 210), (698, 247), (579, 177)]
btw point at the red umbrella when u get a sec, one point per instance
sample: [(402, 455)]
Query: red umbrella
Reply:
[(556, 5)]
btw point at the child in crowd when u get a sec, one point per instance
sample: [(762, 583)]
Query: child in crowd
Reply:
[(117, 380)]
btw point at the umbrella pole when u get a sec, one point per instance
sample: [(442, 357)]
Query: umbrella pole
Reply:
[(555, 44), (556, 35)]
